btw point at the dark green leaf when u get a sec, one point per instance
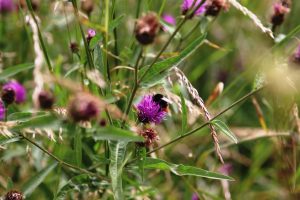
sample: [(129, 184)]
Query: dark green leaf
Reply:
[(116, 134), (44, 121), (78, 147), (184, 114), (11, 71), (182, 170), (224, 128), (37, 179)]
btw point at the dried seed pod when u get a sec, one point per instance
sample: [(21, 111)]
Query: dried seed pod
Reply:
[(146, 28), (150, 136), (83, 107), (87, 6), (13, 195), (46, 100)]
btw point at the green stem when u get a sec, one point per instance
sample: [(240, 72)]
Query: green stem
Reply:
[(61, 162)]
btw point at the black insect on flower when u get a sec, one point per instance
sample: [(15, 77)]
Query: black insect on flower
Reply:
[(13, 195), (162, 101)]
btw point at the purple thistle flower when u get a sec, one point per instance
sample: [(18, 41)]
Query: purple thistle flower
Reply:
[(150, 111), (2, 110), (297, 53), (6, 6), (195, 197), (18, 89), (187, 5), (169, 19)]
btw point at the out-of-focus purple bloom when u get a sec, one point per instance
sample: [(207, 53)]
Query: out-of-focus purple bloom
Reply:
[(195, 197), (297, 53), (187, 5), (6, 6), (18, 89), (2, 110), (226, 169), (91, 34), (169, 19), (150, 111)]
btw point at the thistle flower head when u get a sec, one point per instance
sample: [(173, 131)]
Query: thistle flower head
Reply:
[(6, 6), (83, 107), (87, 6), (169, 19), (74, 47), (280, 10), (90, 34), (146, 28), (150, 136), (13, 195), (14, 90), (213, 7), (2, 110), (150, 111), (46, 100), (188, 5)]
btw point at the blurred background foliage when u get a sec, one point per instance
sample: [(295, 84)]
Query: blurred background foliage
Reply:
[(263, 167)]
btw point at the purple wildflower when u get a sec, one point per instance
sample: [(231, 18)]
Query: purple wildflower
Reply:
[(187, 5), (18, 89), (91, 34), (297, 54), (6, 6), (2, 110), (195, 197), (150, 111), (226, 169), (169, 19)]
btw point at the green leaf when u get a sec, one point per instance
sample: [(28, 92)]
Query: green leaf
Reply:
[(289, 36), (4, 141), (44, 121), (23, 116), (78, 147), (224, 128), (159, 70), (115, 23), (183, 170), (117, 154), (184, 114), (37, 179), (11, 71), (117, 134)]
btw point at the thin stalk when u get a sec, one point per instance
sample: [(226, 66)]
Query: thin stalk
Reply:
[(208, 122), (86, 46), (61, 162), (28, 2), (115, 32)]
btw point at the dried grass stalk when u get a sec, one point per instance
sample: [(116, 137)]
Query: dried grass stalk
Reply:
[(183, 80), (252, 16)]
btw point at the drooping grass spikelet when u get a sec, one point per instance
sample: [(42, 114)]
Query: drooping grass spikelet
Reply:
[(183, 80), (252, 16)]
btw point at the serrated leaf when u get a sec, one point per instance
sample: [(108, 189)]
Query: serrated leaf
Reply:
[(117, 154), (37, 179), (159, 70), (11, 71), (183, 170), (117, 134), (224, 129)]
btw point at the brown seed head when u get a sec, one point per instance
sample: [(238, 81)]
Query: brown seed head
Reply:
[(147, 28), (13, 195)]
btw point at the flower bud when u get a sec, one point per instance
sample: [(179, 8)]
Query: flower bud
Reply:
[(13, 195), (213, 7), (280, 10), (83, 107), (13, 92), (7, 6), (74, 47), (90, 35), (146, 28), (87, 6), (46, 100)]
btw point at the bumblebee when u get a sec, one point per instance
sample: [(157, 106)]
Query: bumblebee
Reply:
[(162, 101)]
